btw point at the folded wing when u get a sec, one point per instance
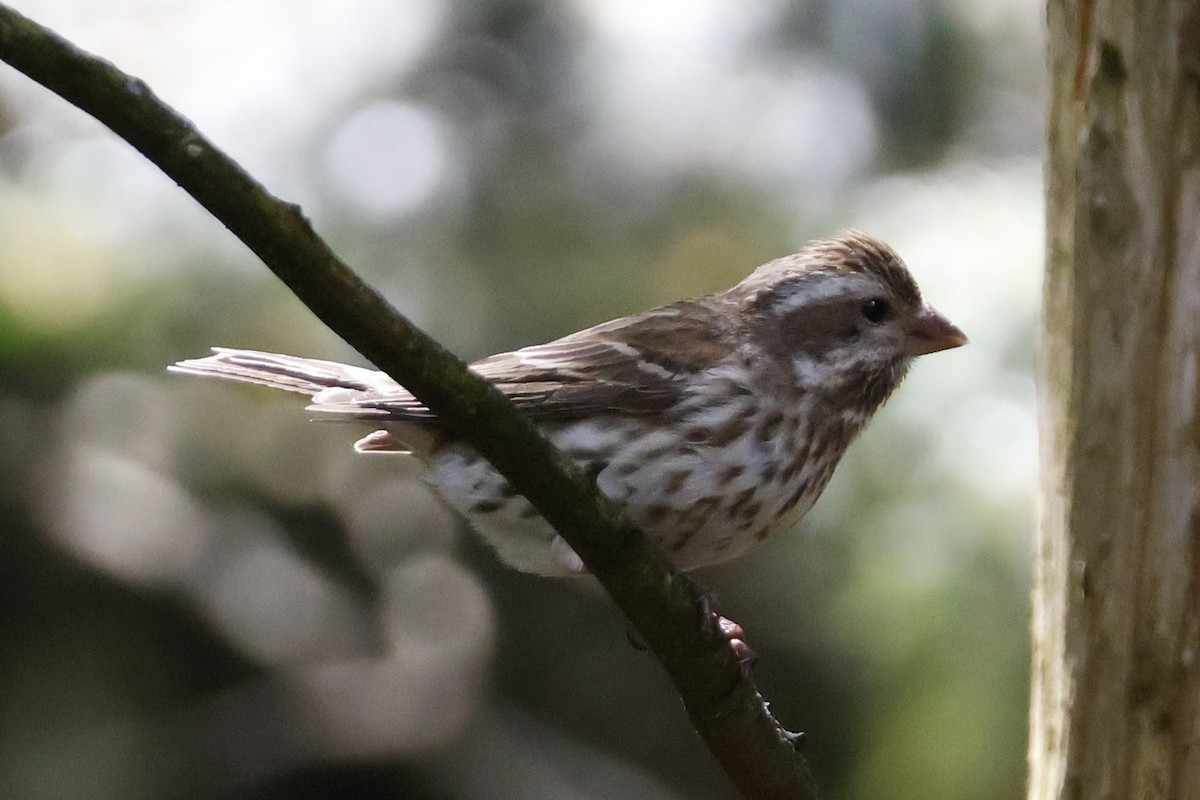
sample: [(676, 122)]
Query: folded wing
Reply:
[(634, 365)]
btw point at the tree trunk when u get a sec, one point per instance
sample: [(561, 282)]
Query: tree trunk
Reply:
[(1116, 620)]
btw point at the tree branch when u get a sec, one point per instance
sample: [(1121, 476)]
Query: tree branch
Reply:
[(664, 607)]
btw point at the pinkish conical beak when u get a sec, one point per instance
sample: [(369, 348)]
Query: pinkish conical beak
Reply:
[(933, 332)]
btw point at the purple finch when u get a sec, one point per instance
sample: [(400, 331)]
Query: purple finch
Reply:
[(715, 421)]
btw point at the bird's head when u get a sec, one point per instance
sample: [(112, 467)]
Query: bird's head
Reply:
[(843, 312)]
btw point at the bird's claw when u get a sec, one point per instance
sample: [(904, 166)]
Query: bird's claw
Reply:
[(727, 629), (736, 636), (732, 632)]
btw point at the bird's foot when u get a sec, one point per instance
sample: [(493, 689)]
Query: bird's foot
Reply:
[(732, 632), (736, 636)]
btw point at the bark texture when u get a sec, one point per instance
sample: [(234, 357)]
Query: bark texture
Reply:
[(1116, 624)]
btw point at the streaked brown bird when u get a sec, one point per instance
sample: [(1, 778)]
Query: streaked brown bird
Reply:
[(715, 421)]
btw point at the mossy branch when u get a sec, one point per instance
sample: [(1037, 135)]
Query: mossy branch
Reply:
[(664, 607)]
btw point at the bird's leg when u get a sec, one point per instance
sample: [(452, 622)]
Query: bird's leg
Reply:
[(732, 632), (736, 636)]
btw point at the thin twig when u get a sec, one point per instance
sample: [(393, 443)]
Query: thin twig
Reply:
[(664, 607)]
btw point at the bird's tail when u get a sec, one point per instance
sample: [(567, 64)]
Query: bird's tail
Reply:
[(290, 373), (340, 390)]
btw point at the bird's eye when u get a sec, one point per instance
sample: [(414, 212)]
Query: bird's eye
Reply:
[(876, 309)]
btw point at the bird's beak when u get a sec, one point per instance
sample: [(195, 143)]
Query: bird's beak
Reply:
[(932, 332)]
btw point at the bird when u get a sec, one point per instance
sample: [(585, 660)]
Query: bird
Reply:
[(714, 422)]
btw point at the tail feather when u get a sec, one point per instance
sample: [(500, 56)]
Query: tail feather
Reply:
[(337, 389), (303, 375)]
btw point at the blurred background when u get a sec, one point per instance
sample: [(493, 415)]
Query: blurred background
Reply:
[(203, 593)]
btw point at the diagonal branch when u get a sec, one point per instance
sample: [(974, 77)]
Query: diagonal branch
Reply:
[(665, 607)]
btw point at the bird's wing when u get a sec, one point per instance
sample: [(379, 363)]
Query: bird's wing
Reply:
[(633, 365)]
